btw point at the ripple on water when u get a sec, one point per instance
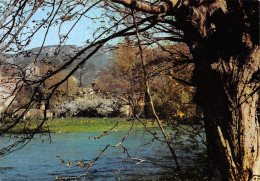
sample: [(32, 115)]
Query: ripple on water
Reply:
[(39, 161)]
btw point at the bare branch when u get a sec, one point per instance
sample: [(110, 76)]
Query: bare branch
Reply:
[(153, 9)]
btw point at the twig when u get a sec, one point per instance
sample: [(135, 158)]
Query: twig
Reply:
[(150, 97)]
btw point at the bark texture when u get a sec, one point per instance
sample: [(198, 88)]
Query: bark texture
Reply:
[(232, 125), (223, 36), (224, 43)]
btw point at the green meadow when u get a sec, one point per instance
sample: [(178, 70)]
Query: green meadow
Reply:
[(68, 125)]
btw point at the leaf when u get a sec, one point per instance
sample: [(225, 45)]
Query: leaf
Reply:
[(69, 164)]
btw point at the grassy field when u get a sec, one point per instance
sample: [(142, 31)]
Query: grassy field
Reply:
[(78, 125)]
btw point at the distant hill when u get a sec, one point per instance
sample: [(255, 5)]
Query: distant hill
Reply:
[(89, 72)]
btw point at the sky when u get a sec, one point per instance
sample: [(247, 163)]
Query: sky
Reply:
[(78, 36), (81, 34)]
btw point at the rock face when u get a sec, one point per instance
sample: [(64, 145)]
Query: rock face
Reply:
[(34, 113), (7, 85), (30, 62)]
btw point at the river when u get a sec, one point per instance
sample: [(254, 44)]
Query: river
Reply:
[(39, 161)]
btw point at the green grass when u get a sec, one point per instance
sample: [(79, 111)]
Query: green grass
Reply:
[(67, 125), (87, 124)]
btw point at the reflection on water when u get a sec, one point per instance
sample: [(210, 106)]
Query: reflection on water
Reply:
[(39, 161)]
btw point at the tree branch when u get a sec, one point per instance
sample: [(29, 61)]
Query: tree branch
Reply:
[(150, 97), (153, 9)]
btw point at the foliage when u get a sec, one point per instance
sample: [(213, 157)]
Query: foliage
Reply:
[(123, 79), (88, 107), (172, 98)]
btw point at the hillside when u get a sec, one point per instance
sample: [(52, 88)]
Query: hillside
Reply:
[(89, 72)]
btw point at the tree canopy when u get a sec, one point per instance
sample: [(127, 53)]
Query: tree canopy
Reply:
[(222, 36)]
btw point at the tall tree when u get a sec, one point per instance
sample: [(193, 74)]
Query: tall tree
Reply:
[(223, 37), (125, 80)]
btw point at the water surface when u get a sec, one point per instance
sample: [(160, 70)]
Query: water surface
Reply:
[(39, 161)]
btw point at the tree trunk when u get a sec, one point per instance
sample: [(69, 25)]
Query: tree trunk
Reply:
[(224, 40), (229, 97), (147, 106)]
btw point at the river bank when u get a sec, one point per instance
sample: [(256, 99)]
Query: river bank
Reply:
[(77, 125)]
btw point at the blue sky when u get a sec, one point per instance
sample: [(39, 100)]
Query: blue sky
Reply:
[(78, 36), (82, 32)]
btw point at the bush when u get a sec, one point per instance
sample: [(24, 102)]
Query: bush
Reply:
[(86, 107)]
